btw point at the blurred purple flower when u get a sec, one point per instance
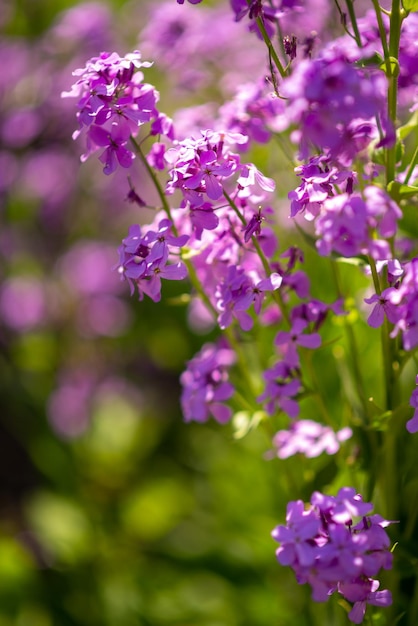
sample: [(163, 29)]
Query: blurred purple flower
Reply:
[(23, 303), (308, 438), (206, 384)]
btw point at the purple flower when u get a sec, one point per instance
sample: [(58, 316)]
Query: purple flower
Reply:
[(412, 424), (346, 224), (407, 302), (200, 167), (289, 341), (206, 384), (308, 438), (253, 227), (363, 592), (209, 175), (251, 112), (281, 387), (326, 550), (326, 97), (143, 259), (113, 104), (383, 306), (115, 141), (320, 180)]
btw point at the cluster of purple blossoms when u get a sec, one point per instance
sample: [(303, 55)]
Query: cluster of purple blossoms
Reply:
[(206, 384), (237, 292), (331, 552), (371, 44), (204, 169), (356, 224), (144, 259), (320, 180), (283, 382), (113, 103), (329, 100), (308, 438), (283, 379), (251, 112)]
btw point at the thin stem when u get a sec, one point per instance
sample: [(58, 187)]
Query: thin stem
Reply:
[(155, 180), (411, 167), (396, 18), (375, 276), (382, 33), (270, 47), (353, 20), (343, 20)]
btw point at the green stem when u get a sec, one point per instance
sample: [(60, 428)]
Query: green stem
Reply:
[(155, 181), (270, 47), (375, 276), (353, 20), (396, 18), (382, 33)]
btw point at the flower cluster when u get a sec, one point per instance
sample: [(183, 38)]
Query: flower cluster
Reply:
[(329, 100), (358, 224), (337, 105), (308, 438), (144, 259), (331, 552), (204, 169), (206, 384), (113, 103)]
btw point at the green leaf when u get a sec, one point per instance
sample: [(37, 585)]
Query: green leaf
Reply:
[(399, 192), (375, 60), (243, 422), (309, 239), (406, 129), (393, 69), (358, 261), (409, 222), (410, 5)]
